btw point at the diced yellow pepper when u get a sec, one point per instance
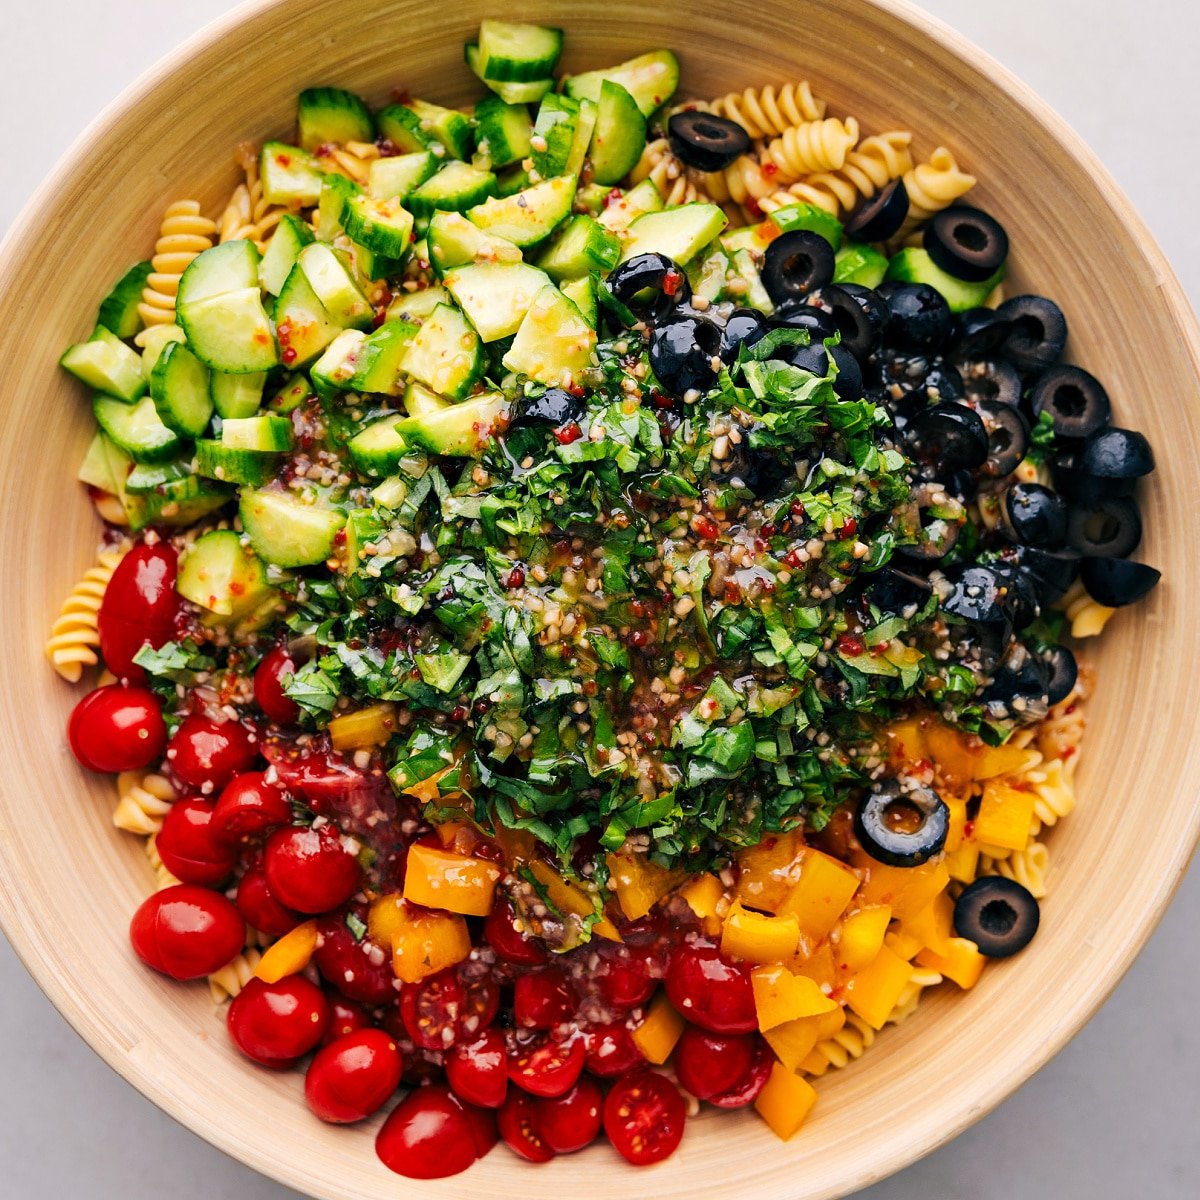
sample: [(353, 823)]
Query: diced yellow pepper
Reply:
[(758, 938), (962, 962), (873, 992), (785, 1101), (568, 898), (290, 955), (963, 864), (457, 883), (372, 726), (656, 1036), (906, 741), (639, 883), (794, 1041), (904, 944), (705, 896), (957, 825), (517, 845), (428, 942), (1005, 816), (818, 966), (860, 937), (933, 926), (780, 996), (826, 887), (769, 871), (963, 757), (906, 889), (385, 918)]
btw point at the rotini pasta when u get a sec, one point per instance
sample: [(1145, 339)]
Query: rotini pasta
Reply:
[(162, 877), (248, 214), (767, 112), (143, 800), (1029, 867), (352, 160), (74, 637), (910, 997), (849, 1043), (1087, 617), (184, 233), (675, 182), (932, 186), (808, 148), (871, 166), (229, 980)]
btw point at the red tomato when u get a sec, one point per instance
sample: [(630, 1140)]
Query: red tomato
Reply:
[(517, 1120), (206, 754), (420, 1065), (500, 932), (360, 970), (711, 990), (276, 666), (746, 1090), (478, 1070), (353, 1077), (117, 728), (544, 999), (429, 1135), (321, 779), (140, 606), (449, 1007), (187, 932), (277, 1023), (708, 1064), (544, 1067), (345, 1017), (569, 1122), (257, 904), (249, 808), (310, 870), (625, 979), (188, 845), (644, 1116), (611, 1051)]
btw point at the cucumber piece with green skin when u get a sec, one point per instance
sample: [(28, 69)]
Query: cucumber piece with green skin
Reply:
[(228, 267), (149, 477), (554, 343), (457, 187), (179, 385), (591, 197), (119, 309), (554, 134), (331, 115), (378, 366), (811, 218), (620, 134), (287, 532), (381, 225), (402, 127), (290, 237), (378, 449), (513, 180), (495, 296), (106, 364), (396, 178), (651, 79), (745, 272), (336, 193), (215, 460), (136, 429), (455, 242), (236, 395), (289, 175), (504, 130), (294, 393), (303, 325), (391, 493), (154, 340), (419, 401), (707, 274), (266, 434), (370, 265), (856, 262), (514, 53), (446, 353), (177, 504), (913, 265), (334, 370), (231, 332), (582, 246), (582, 293), (418, 305), (219, 574), (679, 233), (450, 127), (459, 431), (585, 126), (746, 237), (529, 216), (510, 93), (334, 285), (643, 197)]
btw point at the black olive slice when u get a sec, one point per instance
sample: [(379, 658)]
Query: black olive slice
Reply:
[(966, 243), (896, 591), (651, 272), (1021, 597), (1008, 437), (1116, 582), (947, 437), (992, 380), (998, 915), (1076, 401), (1063, 672), (681, 353), (797, 264), (797, 314), (918, 317), (880, 218), (744, 327), (555, 406), (1020, 687), (1108, 528), (1035, 515), (934, 519), (1052, 572), (902, 828), (705, 141), (859, 314), (979, 596), (847, 383), (979, 332), (1118, 456), (1039, 333)]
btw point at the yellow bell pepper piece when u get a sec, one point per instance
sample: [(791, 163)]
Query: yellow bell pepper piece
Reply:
[(768, 872), (873, 992), (963, 864), (1005, 816), (568, 898), (962, 962), (457, 883), (794, 1041), (758, 938), (906, 889), (656, 1036), (956, 828), (933, 926), (639, 883), (826, 887), (517, 845), (780, 996), (904, 944), (785, 1101), (705, 896), (963, 757), (428, 943), (372, 726), (860, 937), (905, 741), (818, 966), (290, 955)]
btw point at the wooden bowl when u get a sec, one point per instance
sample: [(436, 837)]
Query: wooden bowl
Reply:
[(69, 881)]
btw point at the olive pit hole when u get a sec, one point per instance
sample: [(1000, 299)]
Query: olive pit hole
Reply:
[(970, 236), (902, 816), (997, 917), (1070, 401)]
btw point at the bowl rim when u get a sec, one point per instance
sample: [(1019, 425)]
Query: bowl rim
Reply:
[(64, 996)]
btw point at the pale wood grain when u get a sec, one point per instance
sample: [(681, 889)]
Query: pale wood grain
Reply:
[(68, 881)]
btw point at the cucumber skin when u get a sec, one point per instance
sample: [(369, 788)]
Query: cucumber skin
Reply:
[(619, 136), (381, 225), (167, 382), (505, 128), (118, 310), (913, 265), (113, 416), (327, 115), (287, 533), (217, 461), (502, 67)]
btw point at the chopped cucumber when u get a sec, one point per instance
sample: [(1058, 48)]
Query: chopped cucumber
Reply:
[(651, 79), (555, 341), (585, 126), (290, 237), (287, 532), (336, 192), (331, 115), (289, 175), (455, 188), (747, 237), (592, 197), (302, 323), (398, 177), (378, 364), (510, 93), (529, 216), (236, 395), (267, 434), (445, 354), (136, 428), (153, 340), (582, 246), (707, 274), (455, 242), (378, 449), (450, 127), (333, 283), (218, 573), (402, 127), (104, 466), (582, 293), (620, 134), (230, 333), (679, 233), (810, 217), (856, 262), (509, 182), (228, 267), (334, 370), (294, 392), (495, 296), (460, 431), (183, 502), (554, 135), (745, 268), (215, 460), (149, 477), (369, 264), (642, 198), (179, 385), (514, 53), (105, 363), (119, 309), (391, 493), (419, 401), (381, 225), (504, 131), (418, 305), (913, 265)]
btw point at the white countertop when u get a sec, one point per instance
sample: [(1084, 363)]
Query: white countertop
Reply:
[(1115, 1114)]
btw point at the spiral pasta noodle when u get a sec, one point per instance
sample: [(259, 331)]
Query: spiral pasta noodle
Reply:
[(767, 112), (875, 162), (932, 186), (1028, 867), (1055, 797), (743, 182), (809, 148), (352, 160), (144, 799), (674, 181), (1060, 734), (910, 997), (184, 233), (849, 1043), (162, 877), (230, 979), (74, 636), (1088, 617), (248, 215)]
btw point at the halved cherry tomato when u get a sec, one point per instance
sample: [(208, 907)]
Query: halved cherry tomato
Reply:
[(517, 1120), (189, 847), (708, 1064), (711, 990), (361, 970), (277, 666), (571, 1121), (544, 999), (448, 1007), (257, 904), (117, 728), (140, 606), (625, 977), (478, 1070), (249, 808), (353, 1077), (611, 1051), (187, 932), (277, 1023), (206, 754), (545, 1067), (500, 932), (345, 1017), (644, 1116), (310, 870), (746, 1090), (429, 1135)]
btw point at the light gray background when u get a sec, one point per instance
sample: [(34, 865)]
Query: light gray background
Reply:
[(1115, 1114)]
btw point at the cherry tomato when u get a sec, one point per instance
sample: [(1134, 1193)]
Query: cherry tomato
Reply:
[(746, 1090), (429, 1135), (277, 1023), (711, 991), (326, 782), (625, 979), (206, 754), (644, 1116), (310, 870), (500, 932), (571, 1121), (544, 1067), (140, 606), (707, 1064), (188, 845), (187, 932), (345, 1017), (544, 999), (360, 970), (353, 1077), (478, 1070), (276, 666), (449, 1007), (611, 1051), (517, 1120), (117, 728), (249, 808), (257, 904)]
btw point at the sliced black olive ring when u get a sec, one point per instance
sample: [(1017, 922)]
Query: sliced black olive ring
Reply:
[(902, 828), (947, 437), (682, 350), (1076, 401), (918, 316), (880, 218), (998, 915), (705, 141), (1064, 671), (992, 380), (978, 333), (1105, 528), (555, 406), (1039, 333), (859, 314), (1008, 437), (1020, 687), (796, 264), (1034, 515), (650, 272), (966, 243)]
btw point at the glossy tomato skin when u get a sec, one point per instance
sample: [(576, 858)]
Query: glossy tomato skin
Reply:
[(508, 942), (362, 970), (644, 1115), (477, 1070), (711, 991), (708, 1064), (187, 932), (310, 870), (346, 1017), (571, 1121), (277, 1023), (517, 1121), (206, 754), (258, 906), (117, 728), (277, 664), (625, 979), (249, 808), (429, 1135), (543, 999), (189, 847), (353, 1077), (140, 606), (611, 1051), (746, 1090), (543, 1066), (448, 1007)]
